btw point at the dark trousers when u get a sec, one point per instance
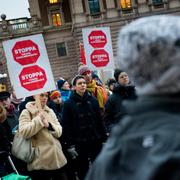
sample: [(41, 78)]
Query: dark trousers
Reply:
[(87, 153), (2, 169), (58, 174)]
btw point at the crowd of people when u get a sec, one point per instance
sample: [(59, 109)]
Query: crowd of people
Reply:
[(87, 129), (68, 130)]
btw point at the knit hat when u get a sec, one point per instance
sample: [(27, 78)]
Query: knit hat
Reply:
[(117, 72), (54, 94), (4, 95), (60, 83), (110, 81), (149, 51), (83, 69)]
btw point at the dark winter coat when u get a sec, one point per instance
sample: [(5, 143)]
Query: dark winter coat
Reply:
[(4, 140), (82, 122), (13, 119), (113, 107), (144, 145), (57, 108)]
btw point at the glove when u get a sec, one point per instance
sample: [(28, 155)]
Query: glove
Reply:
[(72, 152)]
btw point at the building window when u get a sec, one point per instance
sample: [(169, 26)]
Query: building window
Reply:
[(56, 19), (157, 2), (126, 4), (61, 49), (53, 1), (94, 6)]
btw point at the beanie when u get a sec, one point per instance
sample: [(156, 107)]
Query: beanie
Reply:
[(60, 83), (117, 72), (110, 81), (149, 51), (54, 94), (83, 69), (4, 94)]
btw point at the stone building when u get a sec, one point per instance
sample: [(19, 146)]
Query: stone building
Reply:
[(61, 23)]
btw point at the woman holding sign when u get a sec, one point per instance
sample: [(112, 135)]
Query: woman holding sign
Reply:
[(40, 123)]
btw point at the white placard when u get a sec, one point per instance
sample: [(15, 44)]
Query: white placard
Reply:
[(98, 48), (28, 65)]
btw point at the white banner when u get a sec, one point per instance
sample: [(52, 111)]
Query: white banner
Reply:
[(98, 48), (28, 65)]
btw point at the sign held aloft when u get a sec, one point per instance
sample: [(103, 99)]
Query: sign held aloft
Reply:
[(98, 48), (28, 65)]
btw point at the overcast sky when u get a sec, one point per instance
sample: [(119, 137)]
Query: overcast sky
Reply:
[(14, 8)]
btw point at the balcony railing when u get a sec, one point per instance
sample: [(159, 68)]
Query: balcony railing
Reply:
[(25, 25)]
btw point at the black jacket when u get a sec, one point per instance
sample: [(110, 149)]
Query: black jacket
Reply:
[(113, 107), (4, 141), (82, 122)]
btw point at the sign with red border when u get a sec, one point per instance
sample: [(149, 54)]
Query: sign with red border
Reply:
[(25, 52), (28, 65)]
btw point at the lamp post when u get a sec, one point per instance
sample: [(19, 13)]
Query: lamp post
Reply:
[(4, 23)]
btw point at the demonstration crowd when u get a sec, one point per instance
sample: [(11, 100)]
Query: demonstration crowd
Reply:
[(84, 109), (86, 130)]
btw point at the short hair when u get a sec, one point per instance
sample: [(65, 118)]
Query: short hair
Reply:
[(74, 81)]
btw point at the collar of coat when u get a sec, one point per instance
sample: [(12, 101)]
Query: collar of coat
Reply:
[(33, 109)]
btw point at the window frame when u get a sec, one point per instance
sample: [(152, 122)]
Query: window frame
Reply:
[(94, 13), (126, 8), (51, 3), (157, 5), (65, 46), (56, 12)]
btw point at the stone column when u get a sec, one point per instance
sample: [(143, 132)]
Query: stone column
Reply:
[(111, 9), (34, 8), (78, 12)]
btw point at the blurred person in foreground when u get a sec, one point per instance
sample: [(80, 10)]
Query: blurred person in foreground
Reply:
[(145, 144)]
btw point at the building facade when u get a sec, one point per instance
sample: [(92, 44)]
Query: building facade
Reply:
[(61, 22)]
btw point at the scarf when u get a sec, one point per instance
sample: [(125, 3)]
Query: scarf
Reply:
[(98, 92)]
